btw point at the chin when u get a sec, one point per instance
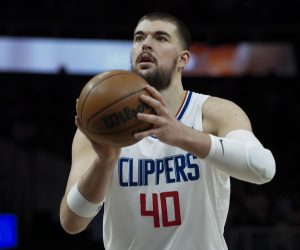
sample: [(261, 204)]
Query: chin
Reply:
[(143, 72)]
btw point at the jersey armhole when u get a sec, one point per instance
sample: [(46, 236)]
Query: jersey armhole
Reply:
[(198, 123)]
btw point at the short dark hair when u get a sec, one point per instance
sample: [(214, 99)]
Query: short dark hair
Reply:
[(183, 31)]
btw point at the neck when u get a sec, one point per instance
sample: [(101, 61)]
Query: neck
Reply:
[(174, 96)]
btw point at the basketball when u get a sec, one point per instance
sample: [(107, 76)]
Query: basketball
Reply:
[(108, 105)]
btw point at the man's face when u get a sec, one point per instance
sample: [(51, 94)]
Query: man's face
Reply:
[(155, 52)]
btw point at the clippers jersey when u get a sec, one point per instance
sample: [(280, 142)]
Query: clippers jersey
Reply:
[(164, 198)]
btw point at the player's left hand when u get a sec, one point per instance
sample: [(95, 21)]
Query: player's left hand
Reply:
[(165, 125)]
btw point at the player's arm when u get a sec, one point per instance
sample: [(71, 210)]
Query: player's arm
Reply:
[(227, 141), (87, 183), (234, 149)]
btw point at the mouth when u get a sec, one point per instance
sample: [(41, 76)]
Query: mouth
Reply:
[(145, 58)]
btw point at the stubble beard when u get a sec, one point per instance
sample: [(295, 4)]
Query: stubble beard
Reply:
[(159, 78)]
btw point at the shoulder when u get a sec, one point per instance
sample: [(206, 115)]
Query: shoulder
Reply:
[(221, 115), (218, 105)]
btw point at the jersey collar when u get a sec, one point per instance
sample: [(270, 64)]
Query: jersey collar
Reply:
[(184, 105)]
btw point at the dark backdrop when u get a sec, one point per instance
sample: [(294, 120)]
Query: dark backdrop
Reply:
[(37, 110)]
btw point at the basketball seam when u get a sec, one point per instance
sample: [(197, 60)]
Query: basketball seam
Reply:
[(124, 97), (88, 94), (120, 131)]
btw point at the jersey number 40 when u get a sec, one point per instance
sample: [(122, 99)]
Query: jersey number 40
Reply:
[(168, 200)]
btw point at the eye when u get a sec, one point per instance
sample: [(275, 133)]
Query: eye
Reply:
[(138, 38), (161, 39)]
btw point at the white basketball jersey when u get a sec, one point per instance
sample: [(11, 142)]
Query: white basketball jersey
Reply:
[(164, 198)]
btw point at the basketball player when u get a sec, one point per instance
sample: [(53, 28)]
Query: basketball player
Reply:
[(171, 189)]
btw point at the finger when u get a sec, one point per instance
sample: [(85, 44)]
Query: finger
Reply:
[(77, 122), (77, 105), (154, 103), (150, 118), (156, 94), (141, 135)]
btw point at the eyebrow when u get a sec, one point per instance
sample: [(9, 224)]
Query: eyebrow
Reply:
[(159, 32)]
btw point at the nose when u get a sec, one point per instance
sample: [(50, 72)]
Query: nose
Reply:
[(146, 47), (147, 44)]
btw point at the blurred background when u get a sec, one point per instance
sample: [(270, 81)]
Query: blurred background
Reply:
[(246, 51)]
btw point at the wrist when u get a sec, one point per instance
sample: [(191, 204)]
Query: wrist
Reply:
[(105, 165), (195, 142), (106, 156), (80, 205)]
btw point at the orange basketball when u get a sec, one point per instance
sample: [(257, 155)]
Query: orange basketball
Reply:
[(108, 105)]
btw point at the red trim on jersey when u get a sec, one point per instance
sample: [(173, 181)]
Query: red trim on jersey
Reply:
[(182, 103)]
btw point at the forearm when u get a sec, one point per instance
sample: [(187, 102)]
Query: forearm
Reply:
[(239, 154), (77, 212), (93, 184), (71, 222), (194, 141)]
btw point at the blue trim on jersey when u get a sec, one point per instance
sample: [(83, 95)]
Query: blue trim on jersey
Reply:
[(183, 109), (185, 105)]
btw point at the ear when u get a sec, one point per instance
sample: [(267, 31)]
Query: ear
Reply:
[(184, 58)]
